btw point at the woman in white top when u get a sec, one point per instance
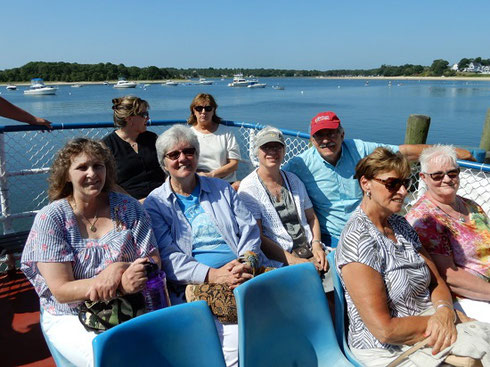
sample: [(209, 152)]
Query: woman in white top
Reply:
[(290, 231), (220, 152)]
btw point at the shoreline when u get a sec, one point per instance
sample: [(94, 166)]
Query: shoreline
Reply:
[(112, 82)]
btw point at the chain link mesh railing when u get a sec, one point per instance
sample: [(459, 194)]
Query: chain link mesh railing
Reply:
[(26, 154)]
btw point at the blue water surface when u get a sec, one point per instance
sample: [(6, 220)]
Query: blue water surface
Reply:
[(373, 111)]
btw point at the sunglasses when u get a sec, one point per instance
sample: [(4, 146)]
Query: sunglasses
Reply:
[(145, 115), (438, 176), (271, 147), (205, 108), (174, 155), (393, 184)]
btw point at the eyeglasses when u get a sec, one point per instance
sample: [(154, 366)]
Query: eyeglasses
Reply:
[(393, 184), (438, 176), (145, 115), (205, 108), (327, 133), (272, 147), (174, 155)]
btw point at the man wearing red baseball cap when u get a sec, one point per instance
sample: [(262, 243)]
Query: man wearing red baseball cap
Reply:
[(327, 171)]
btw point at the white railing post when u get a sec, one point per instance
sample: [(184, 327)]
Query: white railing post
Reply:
[(4, 190)]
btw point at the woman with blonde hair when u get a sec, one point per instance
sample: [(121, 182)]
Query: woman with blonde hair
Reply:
[(220, 152), (388, 277), (89, 243), (133, 147)]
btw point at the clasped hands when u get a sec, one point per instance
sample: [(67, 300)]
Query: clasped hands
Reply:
[(233, 273), (126, 277)]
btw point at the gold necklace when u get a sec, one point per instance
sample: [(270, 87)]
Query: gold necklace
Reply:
[(92, 227)]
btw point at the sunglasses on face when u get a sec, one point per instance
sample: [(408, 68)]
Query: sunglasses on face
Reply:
[(438, 176), (205, 108), (174, 155), (145, 115), (393, 184), (272, 147)]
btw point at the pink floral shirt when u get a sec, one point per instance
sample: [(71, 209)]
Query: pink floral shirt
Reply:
[(468, 243), (55, 237)]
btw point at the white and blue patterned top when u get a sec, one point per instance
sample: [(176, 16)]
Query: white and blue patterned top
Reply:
[(55, 237), (405, 274)]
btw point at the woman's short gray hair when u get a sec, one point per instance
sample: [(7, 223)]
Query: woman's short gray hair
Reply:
[(170, 138), (437, 155), (262, 133)]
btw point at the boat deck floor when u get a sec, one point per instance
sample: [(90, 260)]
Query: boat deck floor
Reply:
[(21, 340)]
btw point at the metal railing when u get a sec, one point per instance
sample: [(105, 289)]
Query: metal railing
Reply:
[(26, 153)]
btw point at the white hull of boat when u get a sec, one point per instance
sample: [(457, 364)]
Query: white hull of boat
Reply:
[(44, 91), (11, 87), (257, 85), (125, 85)]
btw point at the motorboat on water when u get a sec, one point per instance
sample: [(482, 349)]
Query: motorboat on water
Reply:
[(171, 83), (257, 85), (11, 87), (38, 87), (240, 81), (278, 87), (204, 81), (123, 83), (77, 86)]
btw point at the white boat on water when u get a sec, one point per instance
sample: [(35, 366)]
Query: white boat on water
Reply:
[(278, 87), (77, 86), (171, 83), (123, 83), (240, 81), (38, 87), (11, 87), (257, 85), (204, 81)]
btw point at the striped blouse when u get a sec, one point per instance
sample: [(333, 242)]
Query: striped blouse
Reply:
[(405, 274), (55, 237)]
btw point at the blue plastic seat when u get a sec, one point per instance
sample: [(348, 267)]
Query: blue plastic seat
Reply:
[(340, 311), (284, 320), (179, 336)]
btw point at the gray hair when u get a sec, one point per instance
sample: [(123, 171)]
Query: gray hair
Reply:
[(170, 138), (437, 155), (264, 131)]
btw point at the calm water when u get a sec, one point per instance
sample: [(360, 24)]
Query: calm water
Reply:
[(376, 112)]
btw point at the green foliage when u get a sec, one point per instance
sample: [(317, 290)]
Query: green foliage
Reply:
[(438, 67), (74, 72)]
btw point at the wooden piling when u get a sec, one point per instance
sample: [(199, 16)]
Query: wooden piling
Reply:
[(418, 129), (485, 136)]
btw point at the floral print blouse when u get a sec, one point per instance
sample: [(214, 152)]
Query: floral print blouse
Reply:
[(55, 237), (468, 243)]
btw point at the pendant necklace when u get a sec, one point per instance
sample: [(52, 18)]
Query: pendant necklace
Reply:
[(461, 217), (92, 227)]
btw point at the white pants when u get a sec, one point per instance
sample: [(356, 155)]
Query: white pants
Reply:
[(478, 310), (228, 336), (70, 338)]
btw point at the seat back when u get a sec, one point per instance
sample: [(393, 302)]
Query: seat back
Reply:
[(340, 311), (284, 320), (179, 336)]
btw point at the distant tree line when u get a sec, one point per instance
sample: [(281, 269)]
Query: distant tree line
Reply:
[(74, 72)]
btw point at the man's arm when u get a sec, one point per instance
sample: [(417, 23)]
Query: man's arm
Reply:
[(13, 112), (412, 152)]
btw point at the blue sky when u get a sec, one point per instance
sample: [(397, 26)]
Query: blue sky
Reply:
[(308, 34)]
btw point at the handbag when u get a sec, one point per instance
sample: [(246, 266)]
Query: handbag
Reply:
[(99, 316)]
